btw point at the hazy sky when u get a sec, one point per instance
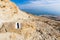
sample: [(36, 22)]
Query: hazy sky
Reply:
[(39, 6)]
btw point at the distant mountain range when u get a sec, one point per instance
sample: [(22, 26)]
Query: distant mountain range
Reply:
[(57, 18)]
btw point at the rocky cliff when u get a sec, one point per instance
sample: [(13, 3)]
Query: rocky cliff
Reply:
[(18, 25)]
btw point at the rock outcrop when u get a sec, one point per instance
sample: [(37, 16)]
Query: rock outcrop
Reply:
[(18, 25)]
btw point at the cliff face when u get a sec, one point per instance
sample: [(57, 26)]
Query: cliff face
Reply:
[(18, 25)]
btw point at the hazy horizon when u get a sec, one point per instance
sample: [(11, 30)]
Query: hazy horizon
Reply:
[(39, 7)]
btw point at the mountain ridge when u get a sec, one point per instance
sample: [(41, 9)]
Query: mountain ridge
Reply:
[(18, 25)]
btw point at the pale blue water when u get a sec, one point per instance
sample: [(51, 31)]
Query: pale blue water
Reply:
[(40, 12), (48, 8)]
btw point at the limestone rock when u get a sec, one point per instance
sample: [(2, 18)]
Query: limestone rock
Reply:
[(18, 25)]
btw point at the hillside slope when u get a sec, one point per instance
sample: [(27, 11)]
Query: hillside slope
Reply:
[(18, 25)]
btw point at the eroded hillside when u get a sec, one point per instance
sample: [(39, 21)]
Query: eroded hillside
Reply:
[(18, 25)]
